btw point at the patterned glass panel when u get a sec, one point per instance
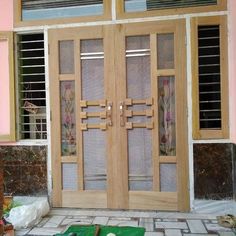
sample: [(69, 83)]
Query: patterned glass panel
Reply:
[(167, 130), (139, 87), (168, 177), (68, 118), (66, 56), (165, 51), (70, 176)]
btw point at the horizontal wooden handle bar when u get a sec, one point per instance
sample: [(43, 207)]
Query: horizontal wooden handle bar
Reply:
[(131, 125), (130, 101), (130, 113), (85, 115), (101, 126), (86, 103)]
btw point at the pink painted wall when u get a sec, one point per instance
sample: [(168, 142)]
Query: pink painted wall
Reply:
[(6, 15), (6, 24), (4, 89), (232, 68)]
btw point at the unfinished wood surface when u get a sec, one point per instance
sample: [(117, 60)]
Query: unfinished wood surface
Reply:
[(181, 119), (84, 199), (118, 193), (153, 200)]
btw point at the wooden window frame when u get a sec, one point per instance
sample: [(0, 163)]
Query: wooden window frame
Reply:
[(222, 133), (121, 14), (18, 22), (8, 36)]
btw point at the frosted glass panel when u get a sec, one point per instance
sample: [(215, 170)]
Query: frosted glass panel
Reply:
[(138, 67), (168, 177), (139, 87), (94, 144), (140, 159), (165, 51), (166, 110), (66, 57), (68, 118), (69, 176), (94, 140)]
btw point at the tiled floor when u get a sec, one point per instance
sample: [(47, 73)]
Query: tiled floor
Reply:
[(156, 223)]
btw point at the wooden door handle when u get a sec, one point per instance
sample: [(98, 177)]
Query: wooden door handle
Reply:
[(109, 114), (122, 114)]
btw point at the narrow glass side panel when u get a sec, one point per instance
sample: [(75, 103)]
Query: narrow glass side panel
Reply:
[(66, 57), (166, 110), (69, 176), (168, 177), (68, 118), (49, 9), (165, 51)]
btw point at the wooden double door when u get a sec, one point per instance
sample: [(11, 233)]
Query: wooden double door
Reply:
[(118, 116)]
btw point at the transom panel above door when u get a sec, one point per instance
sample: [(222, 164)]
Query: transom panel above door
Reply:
[(118, 100)]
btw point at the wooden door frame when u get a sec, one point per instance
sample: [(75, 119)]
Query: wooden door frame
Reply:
[(118, 195), (166, 200)]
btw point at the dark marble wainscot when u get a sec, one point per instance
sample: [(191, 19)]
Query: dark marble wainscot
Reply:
[(214, 171), (25, 170)]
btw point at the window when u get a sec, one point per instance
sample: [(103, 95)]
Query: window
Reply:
[(7, 105), (40, 12), (31, 87), (142, 8), (210, 114), (147, 5)]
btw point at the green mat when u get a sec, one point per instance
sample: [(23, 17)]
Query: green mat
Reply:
[(90, 230)]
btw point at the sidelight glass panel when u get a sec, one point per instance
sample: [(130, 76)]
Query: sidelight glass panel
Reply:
[(166, 110), (168, 177), (69, 176), (165, 51), (66, 56), (68, 118), (94, 140)]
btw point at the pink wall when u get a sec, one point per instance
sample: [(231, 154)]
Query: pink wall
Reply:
[(232, 68), (6, 24), (6, 15), (4, 89)]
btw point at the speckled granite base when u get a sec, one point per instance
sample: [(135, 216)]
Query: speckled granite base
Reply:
[(25, 170), (214, 170)]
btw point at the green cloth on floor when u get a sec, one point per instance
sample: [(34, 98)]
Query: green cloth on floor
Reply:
[(89, 230)]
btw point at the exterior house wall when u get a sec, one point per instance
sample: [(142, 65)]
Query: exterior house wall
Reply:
[(6, 15), (6, 24)]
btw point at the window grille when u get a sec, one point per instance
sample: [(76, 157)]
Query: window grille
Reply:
[(49, 9), (146, 5), (209, 77), (31, 87)]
